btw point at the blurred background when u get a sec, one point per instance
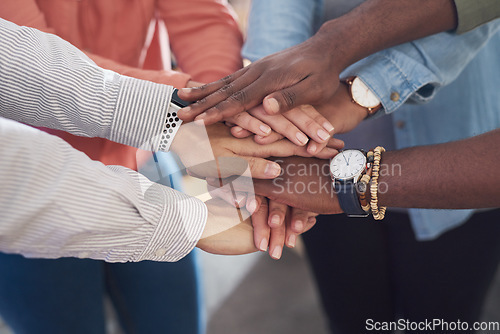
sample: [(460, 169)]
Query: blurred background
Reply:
[(254, 294)]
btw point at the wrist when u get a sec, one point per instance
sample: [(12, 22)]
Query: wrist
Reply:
[(342, 112), (341, 37)]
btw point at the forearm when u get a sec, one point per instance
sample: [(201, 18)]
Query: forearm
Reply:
[(56, 202), (455, 175), (379, 24)]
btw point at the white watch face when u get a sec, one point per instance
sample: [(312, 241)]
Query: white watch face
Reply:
[(363, 95), (347, 164)]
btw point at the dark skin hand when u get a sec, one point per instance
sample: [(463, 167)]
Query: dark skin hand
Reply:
[(305, 183), (308, 73), (454, 175)]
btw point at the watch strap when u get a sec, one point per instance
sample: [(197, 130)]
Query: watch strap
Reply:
[(172, 121), (348, 199)]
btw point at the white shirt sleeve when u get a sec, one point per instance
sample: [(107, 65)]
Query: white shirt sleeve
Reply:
[(54, 200), (48, 82)]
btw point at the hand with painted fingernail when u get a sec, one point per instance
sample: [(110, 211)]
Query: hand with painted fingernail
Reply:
[(211, 151)]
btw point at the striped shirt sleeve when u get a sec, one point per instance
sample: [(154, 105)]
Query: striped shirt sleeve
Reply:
[(47, 82), (56, 202)]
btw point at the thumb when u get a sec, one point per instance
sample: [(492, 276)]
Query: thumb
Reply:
[(289, 98)]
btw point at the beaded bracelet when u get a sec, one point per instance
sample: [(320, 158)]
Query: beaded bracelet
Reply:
[(377, 212), (364, 183)]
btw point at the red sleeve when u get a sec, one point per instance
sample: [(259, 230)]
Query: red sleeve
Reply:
[(204, 37), (27, 13)]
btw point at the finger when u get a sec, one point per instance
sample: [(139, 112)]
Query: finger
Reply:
[(236, 96), (277, 213), (311, 221), (290, 235), (244, 98), (197, 93), (326, 153), (272, 138), (278, 233), (239, 132), (336, 143), (309, 121), (251, 123), (262, 169), (281, 125), (262, 231), (291, 97), (298, 219)]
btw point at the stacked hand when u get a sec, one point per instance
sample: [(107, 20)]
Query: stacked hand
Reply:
[(280, 212)]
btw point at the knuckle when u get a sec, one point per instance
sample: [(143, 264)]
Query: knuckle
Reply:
[(227, 79), (202, 102), (310, 124), (239, 97), (289, 98), (227, 89)]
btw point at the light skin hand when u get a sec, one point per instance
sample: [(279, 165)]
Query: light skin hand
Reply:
[(225, 232), (275, 224), (233, 155), (298, 125)]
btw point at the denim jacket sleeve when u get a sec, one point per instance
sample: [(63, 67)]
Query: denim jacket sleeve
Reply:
[(415, 71), (275, 25)]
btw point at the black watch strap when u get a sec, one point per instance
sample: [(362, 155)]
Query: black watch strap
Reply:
[(348, 199)]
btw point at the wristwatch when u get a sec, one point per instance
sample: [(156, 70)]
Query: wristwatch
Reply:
[(362, 95), (172, 122), (346, 168)]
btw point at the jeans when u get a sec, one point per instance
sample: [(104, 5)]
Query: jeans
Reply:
[(66, 295)]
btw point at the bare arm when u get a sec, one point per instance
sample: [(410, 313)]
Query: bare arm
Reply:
[(455, 175), (308, 73)]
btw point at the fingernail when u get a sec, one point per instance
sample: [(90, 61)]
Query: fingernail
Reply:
[(328, 127), (311, 220), (292, 239), (186, 90), (272, 169), (276, 253), (276, 220), (265, 129), (263, 245), (302, 138), (299, 226), (312, 148), (272, 105), (252, 206), (323, 135)]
